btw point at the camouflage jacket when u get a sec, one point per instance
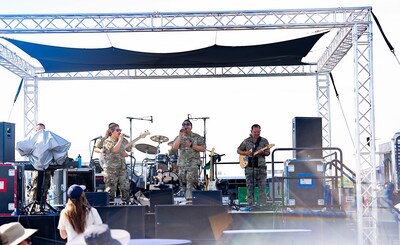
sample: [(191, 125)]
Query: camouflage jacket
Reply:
[(113, 160), (187, 155)]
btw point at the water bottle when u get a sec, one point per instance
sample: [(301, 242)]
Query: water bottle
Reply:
[(79, 160), (51, 196)]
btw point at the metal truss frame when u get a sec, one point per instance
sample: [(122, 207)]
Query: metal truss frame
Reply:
[(354, 31)]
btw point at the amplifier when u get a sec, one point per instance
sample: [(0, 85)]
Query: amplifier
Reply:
[(63, 178)]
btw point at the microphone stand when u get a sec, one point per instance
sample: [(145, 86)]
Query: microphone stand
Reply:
[(92, 165), (205, 140), (131, 155)]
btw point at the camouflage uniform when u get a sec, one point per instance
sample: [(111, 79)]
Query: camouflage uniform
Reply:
[(188, 164), (99, 144), (35, 184), (115, 171), (260, 172)]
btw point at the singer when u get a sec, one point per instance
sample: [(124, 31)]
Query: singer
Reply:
[(100, 142), (189, 146), (115, 172)]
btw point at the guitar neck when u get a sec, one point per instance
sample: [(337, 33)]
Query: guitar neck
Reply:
[(132, 142)]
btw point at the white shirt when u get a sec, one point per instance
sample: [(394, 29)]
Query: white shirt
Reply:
[(93, 218)]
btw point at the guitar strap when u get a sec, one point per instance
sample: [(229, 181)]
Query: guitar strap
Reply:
[(255, 160)]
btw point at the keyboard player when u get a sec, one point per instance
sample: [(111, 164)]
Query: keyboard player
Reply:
[(35, 175)]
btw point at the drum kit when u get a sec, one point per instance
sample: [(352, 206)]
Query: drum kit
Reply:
[(162, 170)]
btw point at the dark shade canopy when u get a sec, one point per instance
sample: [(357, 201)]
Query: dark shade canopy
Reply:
[(60, 59)]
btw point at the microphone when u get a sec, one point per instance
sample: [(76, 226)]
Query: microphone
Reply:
[(151, 119), (96, 138), (182, 129), (126, 136)]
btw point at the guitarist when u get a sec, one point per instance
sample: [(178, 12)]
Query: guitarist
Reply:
[(189, 146), (256, 171), (115, 172)]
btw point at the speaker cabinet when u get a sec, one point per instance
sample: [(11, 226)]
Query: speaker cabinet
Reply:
[(98, 199), (7, 142), (159, 197), (207, 197), (307, 133), (200, 224)]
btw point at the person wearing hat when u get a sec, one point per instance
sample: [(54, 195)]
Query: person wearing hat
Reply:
[(101, 235), (14, 233), (77, 214)]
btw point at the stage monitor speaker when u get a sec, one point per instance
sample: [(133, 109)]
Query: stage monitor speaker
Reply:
[(98, 199), (200, 224), (207, 197), (7, 142), (160, 197), (307, 133)]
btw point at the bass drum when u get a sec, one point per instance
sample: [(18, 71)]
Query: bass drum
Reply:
[(171, 178)]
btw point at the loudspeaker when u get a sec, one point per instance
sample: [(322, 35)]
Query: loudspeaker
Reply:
[(158, 197), (307, 132), (98, 199), (200, 224), (207, 197), (7, 142)]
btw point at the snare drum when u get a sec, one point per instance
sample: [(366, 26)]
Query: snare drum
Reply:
[(162, 161)]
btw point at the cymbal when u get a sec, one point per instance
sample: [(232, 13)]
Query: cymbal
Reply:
[(159, 138), (146, 148), (170, 143)]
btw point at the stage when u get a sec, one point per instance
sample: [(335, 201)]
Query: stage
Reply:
[(214, 224)]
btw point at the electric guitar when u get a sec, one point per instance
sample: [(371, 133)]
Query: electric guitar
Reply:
[(244, 160), (141, 136), (211, 184)]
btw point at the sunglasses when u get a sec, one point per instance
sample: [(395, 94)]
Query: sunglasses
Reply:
[(118, 130), (186, 124)]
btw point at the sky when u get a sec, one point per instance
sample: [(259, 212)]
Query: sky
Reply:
[(79, 111)]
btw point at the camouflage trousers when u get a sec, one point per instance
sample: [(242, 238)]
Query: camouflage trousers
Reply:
[(114, 178), (188, 179), (36, 185), (260, 176)]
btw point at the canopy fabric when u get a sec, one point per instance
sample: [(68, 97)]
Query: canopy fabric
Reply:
[(61, 59)]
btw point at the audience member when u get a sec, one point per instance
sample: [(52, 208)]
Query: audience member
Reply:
[(77, 214), (101, 235), (15, 234)]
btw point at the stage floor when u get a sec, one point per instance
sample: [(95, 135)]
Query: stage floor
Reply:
[(218, 224)]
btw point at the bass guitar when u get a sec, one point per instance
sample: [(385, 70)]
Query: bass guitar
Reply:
[(244, 160), (141, 136)]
